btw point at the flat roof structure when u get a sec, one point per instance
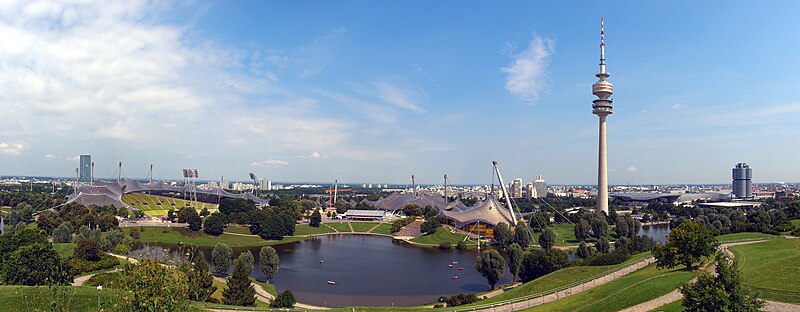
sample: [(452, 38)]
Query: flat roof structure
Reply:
[(734, 204)]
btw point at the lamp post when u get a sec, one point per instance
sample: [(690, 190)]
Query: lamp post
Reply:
[(99, 288)]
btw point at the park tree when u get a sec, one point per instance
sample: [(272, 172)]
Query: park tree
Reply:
[(723, 292), (284, 300), (63, 233), (538, 263), (581, 229), (599, 225), (268, 262), (602, 245), (195, 221), (430, 225), (204, 212), (547, 239), (621, 227), (585, 251), (83, 232), (199, 278), (522, 235), (502, 234), (491, 265), (686, 244), (88, 249), (214, 224), (240, 290), (152, 286), (316, 219), (35, 264), (221, 258), (236, 205), (515, 255)]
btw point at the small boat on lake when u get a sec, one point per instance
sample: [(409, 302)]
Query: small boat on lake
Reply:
[(331, 283), (455, 277)]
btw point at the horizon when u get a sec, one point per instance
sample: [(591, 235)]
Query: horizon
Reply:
[(317, 91)]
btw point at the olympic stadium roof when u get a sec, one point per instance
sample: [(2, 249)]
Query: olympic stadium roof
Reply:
[(490, 211), (105, 193)]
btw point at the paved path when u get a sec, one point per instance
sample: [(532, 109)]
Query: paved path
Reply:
[(264, 296), (78, 281), (676, 295)]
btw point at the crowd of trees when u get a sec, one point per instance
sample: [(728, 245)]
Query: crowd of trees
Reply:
[(27, 258), (239, 290), (273, 222)]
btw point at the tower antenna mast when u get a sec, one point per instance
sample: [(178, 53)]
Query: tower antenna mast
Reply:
[(602, 106)]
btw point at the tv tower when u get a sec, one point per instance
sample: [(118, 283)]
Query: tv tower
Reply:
[(602, 89)]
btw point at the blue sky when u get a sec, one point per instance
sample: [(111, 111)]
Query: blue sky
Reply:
[(374, 91)]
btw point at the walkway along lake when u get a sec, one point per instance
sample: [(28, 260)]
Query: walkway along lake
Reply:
[(371, 270)]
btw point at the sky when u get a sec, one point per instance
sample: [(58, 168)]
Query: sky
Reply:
[(375, 91)]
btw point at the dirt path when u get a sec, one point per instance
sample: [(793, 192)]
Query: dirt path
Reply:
[(78, 281), (676, 295)]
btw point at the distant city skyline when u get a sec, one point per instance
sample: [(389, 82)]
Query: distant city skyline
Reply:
[(374, 91)]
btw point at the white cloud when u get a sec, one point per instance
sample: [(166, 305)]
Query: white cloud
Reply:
[(270, 163), (527, 75), (402, 98), (678, 106), (631, 169), (48, 156), (11, 148), (75, 158)]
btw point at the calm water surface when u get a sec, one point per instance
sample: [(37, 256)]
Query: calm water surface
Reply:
[(370, 270)]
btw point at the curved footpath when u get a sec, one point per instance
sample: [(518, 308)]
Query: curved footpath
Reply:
[(676, 295)]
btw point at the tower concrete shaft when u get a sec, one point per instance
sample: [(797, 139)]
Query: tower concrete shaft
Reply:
[(602, 107)]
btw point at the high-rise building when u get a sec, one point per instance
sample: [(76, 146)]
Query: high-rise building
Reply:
[(602, 107), (742, 181), (223, 185), (269, 185), (530, 191), (263, 184), (516, 188), (539, 187), (85, 171)]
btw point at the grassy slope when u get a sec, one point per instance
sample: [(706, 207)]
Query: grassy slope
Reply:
[(154, 234), (339, 226), (442, 235), (65, 250), (670, 307), (771, 267), (796, 222), (565, 235), (384, 228), (641, 286), (305, 229), (745, 236), (560, 278), (238, 229), (362, 226), (27, 298)]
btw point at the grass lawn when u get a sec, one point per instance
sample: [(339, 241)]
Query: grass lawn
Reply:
[(641, 286), (30, 298), (238, 229), (172, 236), (745, 236), (65, 250), (268, 287), (305, 229), (670, 307), (565, 235), (339, 226), (560, 278), (771, 268), (384, 228), (442, 235), (362, 226), (796, 222)]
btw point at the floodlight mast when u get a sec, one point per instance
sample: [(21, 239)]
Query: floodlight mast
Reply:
[(505, 192), (335, 190)]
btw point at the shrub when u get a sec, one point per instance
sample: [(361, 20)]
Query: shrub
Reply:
[(461, 245), (430, 226), (114, 280), (121, 249), (770, 232), (538, 263), (445, 246), (81, 265), (214, 224), (135, 233), (783, 227), (284, 300), (461, 299), (796, 232), (611, 258)]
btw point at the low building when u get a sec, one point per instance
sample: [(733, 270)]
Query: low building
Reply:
[(364, 215)]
